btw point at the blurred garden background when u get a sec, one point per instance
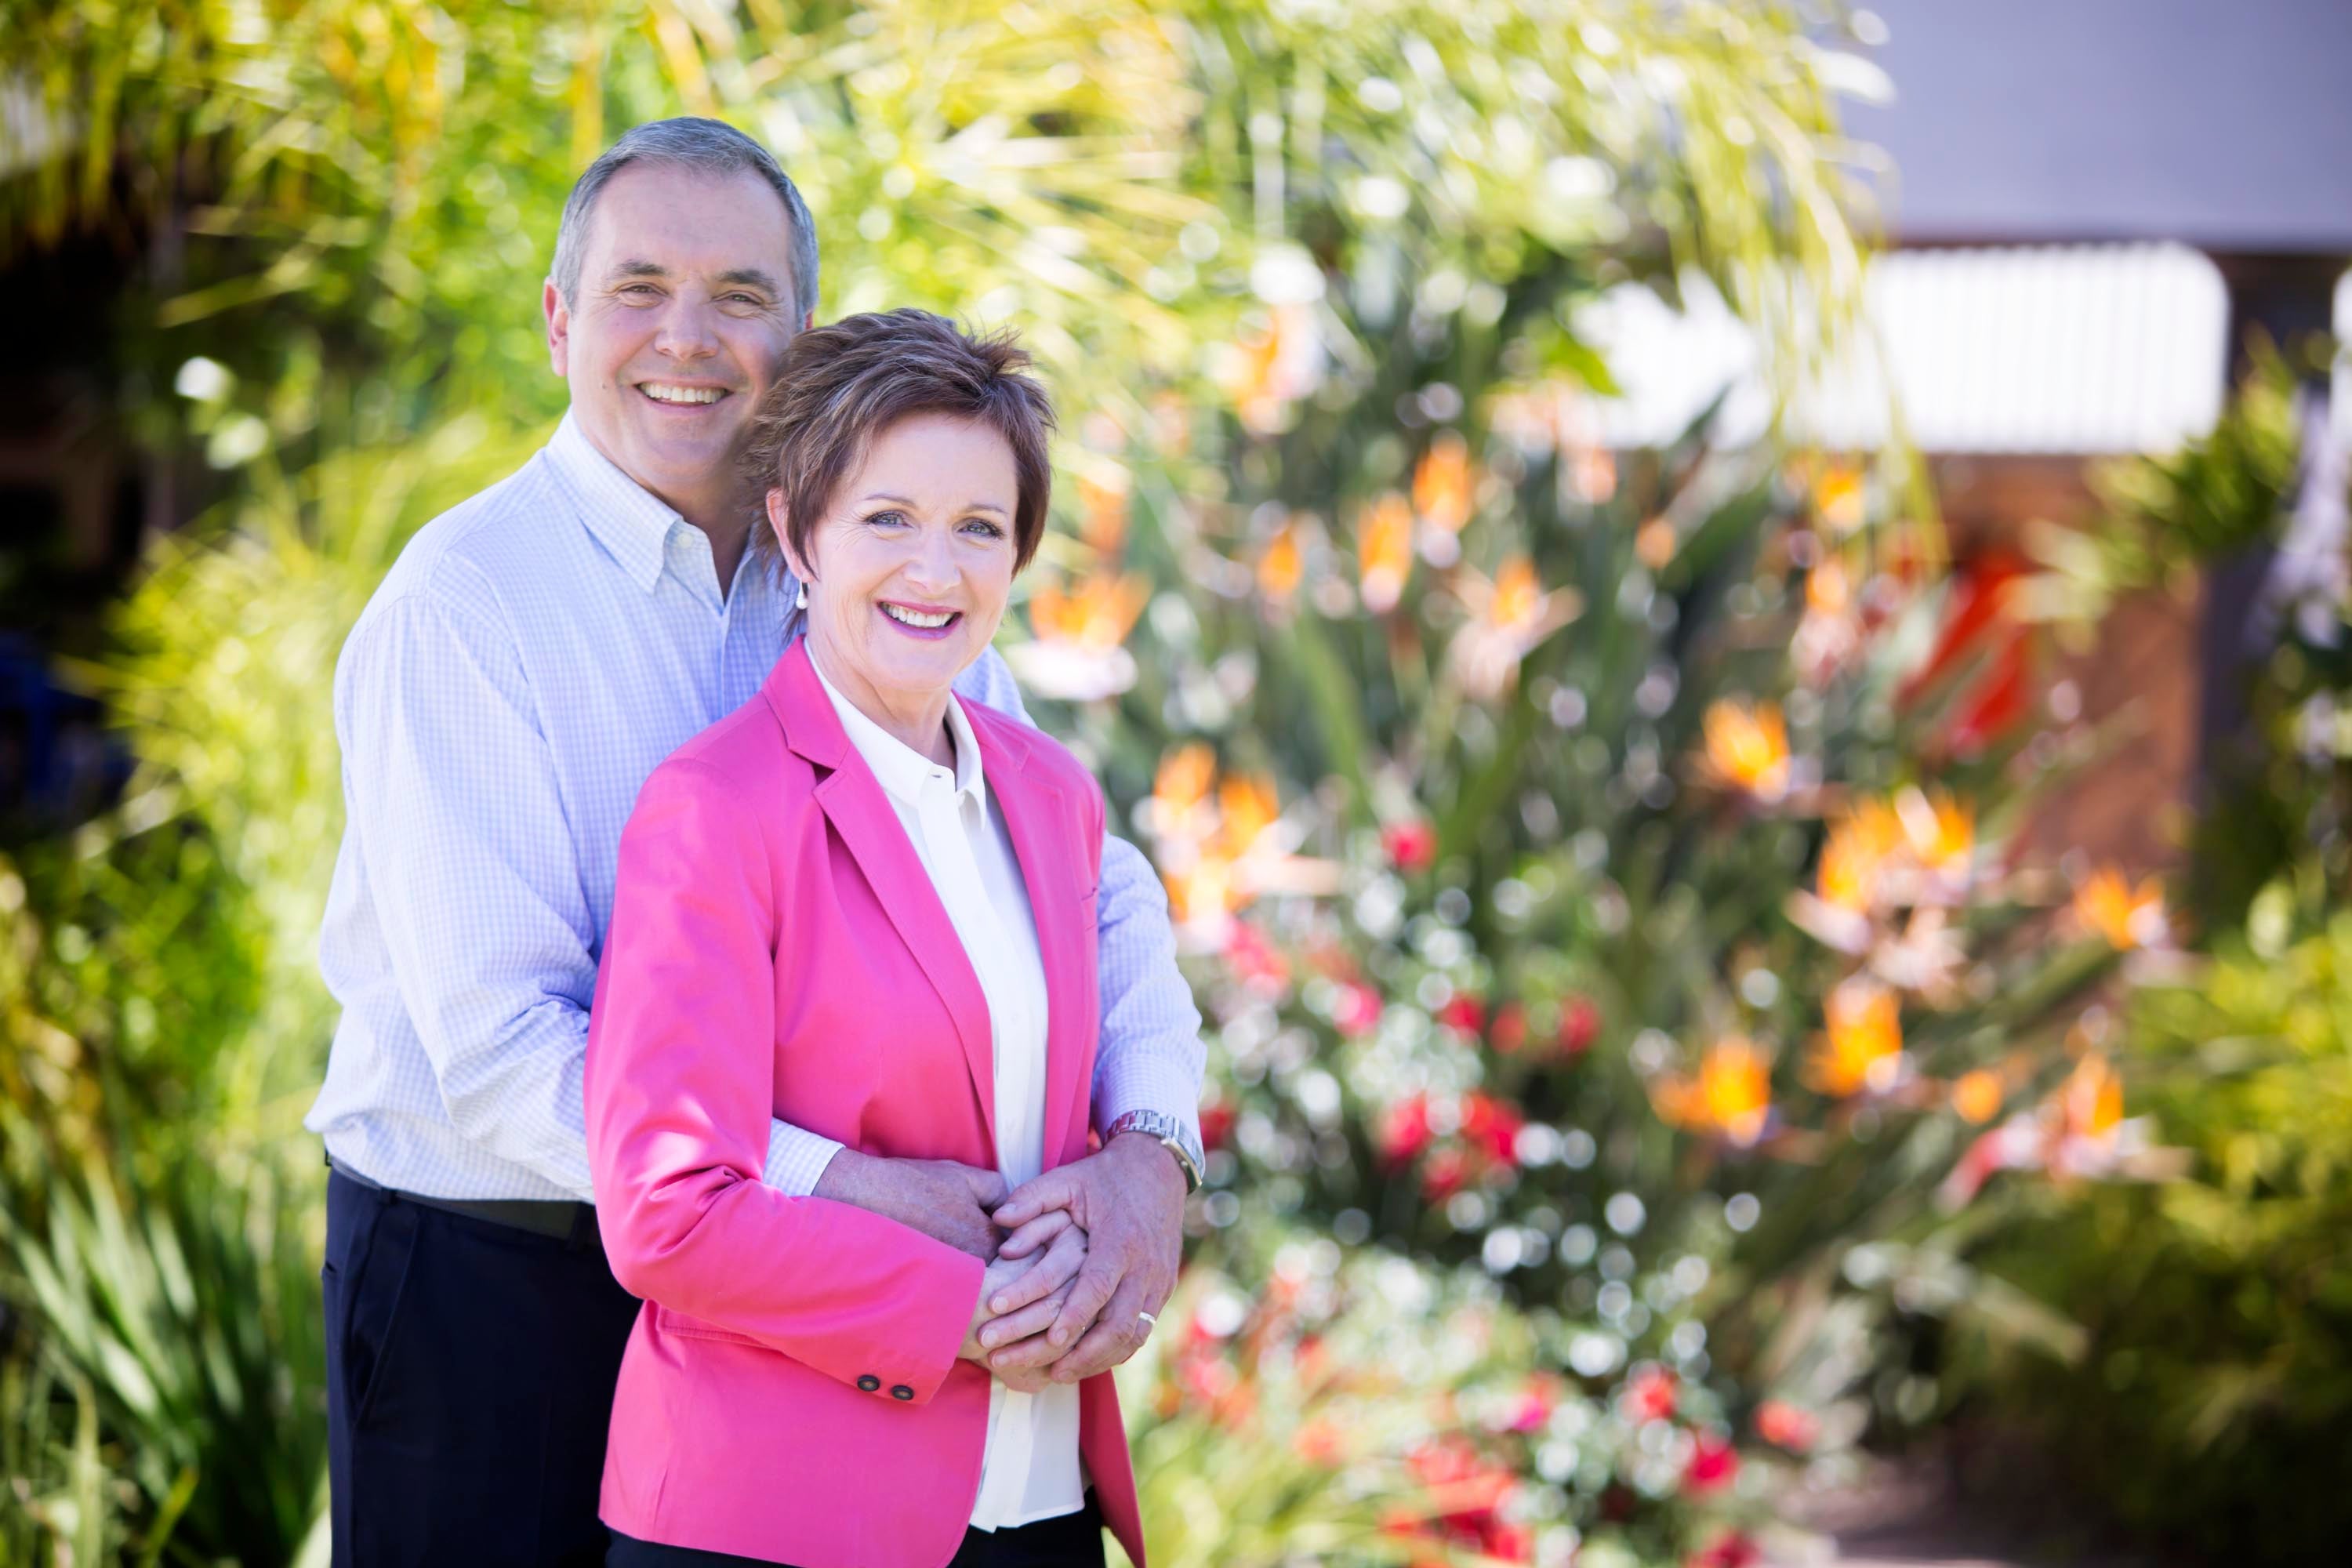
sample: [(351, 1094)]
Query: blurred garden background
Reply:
[(1726, 621)]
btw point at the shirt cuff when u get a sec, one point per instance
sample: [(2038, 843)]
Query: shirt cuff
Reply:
[(1147, 1083), (797, 1158)]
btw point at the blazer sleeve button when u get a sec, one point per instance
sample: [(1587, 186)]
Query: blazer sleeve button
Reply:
[(900, 1391), (869, 1383)]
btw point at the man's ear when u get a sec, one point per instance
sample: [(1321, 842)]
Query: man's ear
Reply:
[(777, 514), (559, 327)]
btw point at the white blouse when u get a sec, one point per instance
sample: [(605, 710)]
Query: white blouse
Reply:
[(1031, 1470)]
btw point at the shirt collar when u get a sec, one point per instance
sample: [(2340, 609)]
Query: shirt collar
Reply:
[(904, 772), (626, 518)]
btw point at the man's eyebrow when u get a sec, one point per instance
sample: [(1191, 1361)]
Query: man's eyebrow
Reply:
[(902, 501), (754, 275), (638, 269)]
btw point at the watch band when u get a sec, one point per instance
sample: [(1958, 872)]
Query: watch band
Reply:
[(1169, 1131)]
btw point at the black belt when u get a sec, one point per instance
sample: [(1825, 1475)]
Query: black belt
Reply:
[(560, 1219)]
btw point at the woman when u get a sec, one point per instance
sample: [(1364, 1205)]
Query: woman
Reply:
[(804, 1384)]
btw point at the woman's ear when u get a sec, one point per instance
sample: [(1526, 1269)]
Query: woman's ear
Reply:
[(778, 514)]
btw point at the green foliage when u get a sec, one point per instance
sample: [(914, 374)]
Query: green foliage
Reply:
[(2165, 518), (187, 1328), (2215, 1392)]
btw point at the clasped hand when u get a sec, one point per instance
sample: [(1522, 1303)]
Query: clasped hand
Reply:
[(1023, 1292), (1089, 1248)]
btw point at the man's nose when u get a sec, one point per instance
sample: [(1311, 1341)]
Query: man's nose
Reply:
[(685, 330)]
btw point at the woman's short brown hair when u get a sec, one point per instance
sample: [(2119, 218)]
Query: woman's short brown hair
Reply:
[(842, 386)]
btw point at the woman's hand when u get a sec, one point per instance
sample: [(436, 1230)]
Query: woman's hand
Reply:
[(1021, 1294)]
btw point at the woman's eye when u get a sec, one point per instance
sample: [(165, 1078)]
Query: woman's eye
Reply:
[(984, 528), (887, 519)]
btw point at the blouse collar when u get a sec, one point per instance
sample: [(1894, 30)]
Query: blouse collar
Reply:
[(904, 772)]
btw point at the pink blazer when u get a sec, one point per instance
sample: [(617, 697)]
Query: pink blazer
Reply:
[(790, 1390)]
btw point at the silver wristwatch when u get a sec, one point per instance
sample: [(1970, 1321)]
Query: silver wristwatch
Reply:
[(1171, 1134)]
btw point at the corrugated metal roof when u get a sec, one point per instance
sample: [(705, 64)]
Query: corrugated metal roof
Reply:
[(2074, 348)]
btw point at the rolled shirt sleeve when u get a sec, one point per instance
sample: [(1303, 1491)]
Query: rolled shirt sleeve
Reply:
[(480, 896), (453, 797), (1151, 1056)]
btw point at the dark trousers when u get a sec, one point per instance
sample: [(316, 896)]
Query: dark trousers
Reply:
[(469, 1380), (1072, 1541)]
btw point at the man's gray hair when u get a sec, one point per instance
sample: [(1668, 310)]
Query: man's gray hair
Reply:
[(708, 147)]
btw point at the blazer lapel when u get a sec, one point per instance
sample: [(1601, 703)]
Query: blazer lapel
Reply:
[(853, 802), (1041, 825)]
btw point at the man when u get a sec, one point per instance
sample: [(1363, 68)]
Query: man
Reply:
[(527, 661)]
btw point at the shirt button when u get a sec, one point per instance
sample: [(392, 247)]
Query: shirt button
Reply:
[(869, 1383), (902, 1392)]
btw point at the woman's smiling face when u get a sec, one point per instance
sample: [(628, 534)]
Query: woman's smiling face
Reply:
[(909, 570)]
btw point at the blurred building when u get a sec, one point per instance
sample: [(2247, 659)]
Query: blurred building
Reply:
[(2092, 205)]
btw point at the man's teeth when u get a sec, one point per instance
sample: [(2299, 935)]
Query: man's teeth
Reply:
[(928, 623), (662, 394)]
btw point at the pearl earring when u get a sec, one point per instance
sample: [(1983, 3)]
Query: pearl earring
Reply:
[(801, 603)]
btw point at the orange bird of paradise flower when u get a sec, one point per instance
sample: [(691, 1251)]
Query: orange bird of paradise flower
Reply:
[(1863, 1048), (1730, 1097), (1747, 746), (1384, 551), (1445, 485), (2127, 916)]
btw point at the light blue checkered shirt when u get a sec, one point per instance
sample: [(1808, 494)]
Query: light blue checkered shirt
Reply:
[(529, 659)]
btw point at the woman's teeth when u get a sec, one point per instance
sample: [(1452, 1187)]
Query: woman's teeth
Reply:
[(911, 618)]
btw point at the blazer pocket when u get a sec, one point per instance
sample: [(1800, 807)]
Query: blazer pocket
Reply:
[(690, 1328)]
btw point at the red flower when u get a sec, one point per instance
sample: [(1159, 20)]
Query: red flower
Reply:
[(1650, 1393), (1252, 959), (1216, 1124), (1359, 1012), (1493, 1127), (1981, 622), (1510, 1033), (1320, 1442), (1446, 1174), (1535, 1406), (1465, 1495), (1733, 1549), (1411, 844), (1714, 1464), (1404, 1130), (1464, 1014), (1787, 1426), (1508, 1543), (1580, 1025)]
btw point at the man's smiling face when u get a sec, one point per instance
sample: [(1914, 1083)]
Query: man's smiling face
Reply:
[(684, 305)]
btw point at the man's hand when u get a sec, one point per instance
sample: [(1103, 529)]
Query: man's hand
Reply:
[(946, 1201), (1128, 1198)]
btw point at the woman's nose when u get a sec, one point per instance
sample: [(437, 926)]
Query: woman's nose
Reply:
[(931, 562)]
